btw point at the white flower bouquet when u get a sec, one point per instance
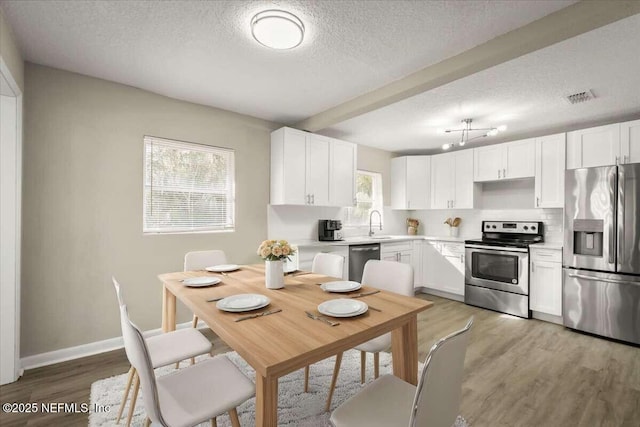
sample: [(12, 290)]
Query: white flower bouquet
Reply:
[(276, 250)]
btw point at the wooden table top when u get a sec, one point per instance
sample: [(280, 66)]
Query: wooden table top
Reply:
[(280, 343)]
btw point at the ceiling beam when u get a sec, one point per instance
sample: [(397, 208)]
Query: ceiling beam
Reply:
[(563, 24)]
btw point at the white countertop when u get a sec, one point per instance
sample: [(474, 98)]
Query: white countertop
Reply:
[(360, 240)]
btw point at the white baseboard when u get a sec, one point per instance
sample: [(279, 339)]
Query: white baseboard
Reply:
[(547, 317), (442, 294), (84, 350)]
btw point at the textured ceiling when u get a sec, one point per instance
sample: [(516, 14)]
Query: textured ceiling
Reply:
[(203, 52), (526, 94)]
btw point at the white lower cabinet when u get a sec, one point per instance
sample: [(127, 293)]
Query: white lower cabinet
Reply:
[(443, 266), (399, 252), (545, 293)]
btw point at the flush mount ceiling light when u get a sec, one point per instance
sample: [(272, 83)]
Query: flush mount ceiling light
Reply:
[(465, 133), (277, 29)]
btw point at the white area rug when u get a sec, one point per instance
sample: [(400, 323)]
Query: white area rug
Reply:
[(295, 408)]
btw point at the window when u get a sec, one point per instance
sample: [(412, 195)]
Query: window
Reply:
[(368, 198), (187, 187)]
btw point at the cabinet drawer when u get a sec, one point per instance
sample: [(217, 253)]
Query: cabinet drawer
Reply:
[(548, 255), (396, 247)]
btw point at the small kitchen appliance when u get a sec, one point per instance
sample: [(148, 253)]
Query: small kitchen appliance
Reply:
[(329, 230), (497, 266)]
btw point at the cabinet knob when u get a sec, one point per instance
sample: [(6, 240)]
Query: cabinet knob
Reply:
[(313, 199), (504, 173), (625, 161), (537, 202), (499, 173), (617, 160)]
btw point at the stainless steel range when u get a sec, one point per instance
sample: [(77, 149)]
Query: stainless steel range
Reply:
[(497, 267)]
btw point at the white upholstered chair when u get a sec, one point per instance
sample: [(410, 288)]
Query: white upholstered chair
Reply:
[(389, 276), (199, 260), (189, 396), (163, 349), (391, 402), (328, 265)]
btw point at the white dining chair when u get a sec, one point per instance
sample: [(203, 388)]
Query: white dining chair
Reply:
[(328, 264), (189, 396), (164, 349), (389, 276), (199, 260), (434, 402), (331, 265)]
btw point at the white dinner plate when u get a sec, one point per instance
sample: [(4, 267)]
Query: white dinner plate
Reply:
[(343, 307), (243, 302), (341, 286), (223, 268), (196, 282)]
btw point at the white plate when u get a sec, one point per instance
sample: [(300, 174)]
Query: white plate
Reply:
[(341, 286), (343, 307), (195, 282), (243, 302), (223, 268)]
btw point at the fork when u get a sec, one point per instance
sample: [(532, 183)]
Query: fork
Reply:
[(316, 317)]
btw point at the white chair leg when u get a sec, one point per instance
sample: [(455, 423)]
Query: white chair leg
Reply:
[(376, 365), (134, 397), (132, 371), (147, 422), (194, 323), (214, 423), (334, 380), (233, 414), (363, 365), (306, 378)]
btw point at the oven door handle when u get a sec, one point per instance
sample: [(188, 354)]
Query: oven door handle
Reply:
[(497, 248)]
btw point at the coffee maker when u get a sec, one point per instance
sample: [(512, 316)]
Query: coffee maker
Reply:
[(329, 230)]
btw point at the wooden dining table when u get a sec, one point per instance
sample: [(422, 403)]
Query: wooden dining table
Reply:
[(280, 343)]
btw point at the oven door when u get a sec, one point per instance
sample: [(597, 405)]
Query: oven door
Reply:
[(497, 268)]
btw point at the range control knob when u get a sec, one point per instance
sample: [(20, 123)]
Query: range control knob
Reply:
[(493, 226), (526, 228), (533, 227)]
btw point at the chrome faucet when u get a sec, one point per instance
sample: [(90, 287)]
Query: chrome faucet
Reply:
[(370, 218)]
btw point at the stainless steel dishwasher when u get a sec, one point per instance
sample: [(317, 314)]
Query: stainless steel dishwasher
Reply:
[(358, 257)]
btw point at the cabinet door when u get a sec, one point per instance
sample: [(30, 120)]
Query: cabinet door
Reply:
[(406, 257), (549, 179), (430, 263), (463, 181), (399, 183), (599, 146), (317, 176), (418, 182), (452, 274), (630, 141), (294, 168), (546, 287), (519, 159), (343, 173), (488, 163), (442, 181)]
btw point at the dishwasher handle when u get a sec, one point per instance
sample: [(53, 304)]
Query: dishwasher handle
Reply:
[(364, 249)]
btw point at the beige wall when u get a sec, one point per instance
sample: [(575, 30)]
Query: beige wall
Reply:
[(10, 53), (376, 160), (82, 212)]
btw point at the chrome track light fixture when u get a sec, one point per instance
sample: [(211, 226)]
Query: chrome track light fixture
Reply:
[(466, 129)]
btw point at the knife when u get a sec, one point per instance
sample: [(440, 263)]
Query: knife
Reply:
[(364, 294), (253, 316)]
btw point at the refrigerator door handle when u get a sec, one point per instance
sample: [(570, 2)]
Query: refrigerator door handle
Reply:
[(612, 189), (621, 196), (601, 279)]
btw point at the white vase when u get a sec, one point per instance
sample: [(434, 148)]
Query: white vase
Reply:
[(274, 274), (453, 231)]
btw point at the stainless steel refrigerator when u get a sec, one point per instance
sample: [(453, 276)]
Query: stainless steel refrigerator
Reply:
[(601, 254)]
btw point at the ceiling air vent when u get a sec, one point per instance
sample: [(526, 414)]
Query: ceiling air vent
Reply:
[(580, 97)]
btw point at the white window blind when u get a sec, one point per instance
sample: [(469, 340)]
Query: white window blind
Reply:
[(187, 187)]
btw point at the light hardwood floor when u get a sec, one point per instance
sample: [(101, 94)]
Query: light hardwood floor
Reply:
[(517, 373)]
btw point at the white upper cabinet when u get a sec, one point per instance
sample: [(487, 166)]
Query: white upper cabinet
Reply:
[(599, 146), (630, 142), (307, 169), (452, 184), (511, 160), (549, 179), (343, 173), (410, 182)]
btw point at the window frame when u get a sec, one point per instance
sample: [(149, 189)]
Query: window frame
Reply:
[(380, 193), (198, 147)]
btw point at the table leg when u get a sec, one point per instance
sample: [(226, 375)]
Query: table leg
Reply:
[(168, 310), (266, 401), (404, 347)]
